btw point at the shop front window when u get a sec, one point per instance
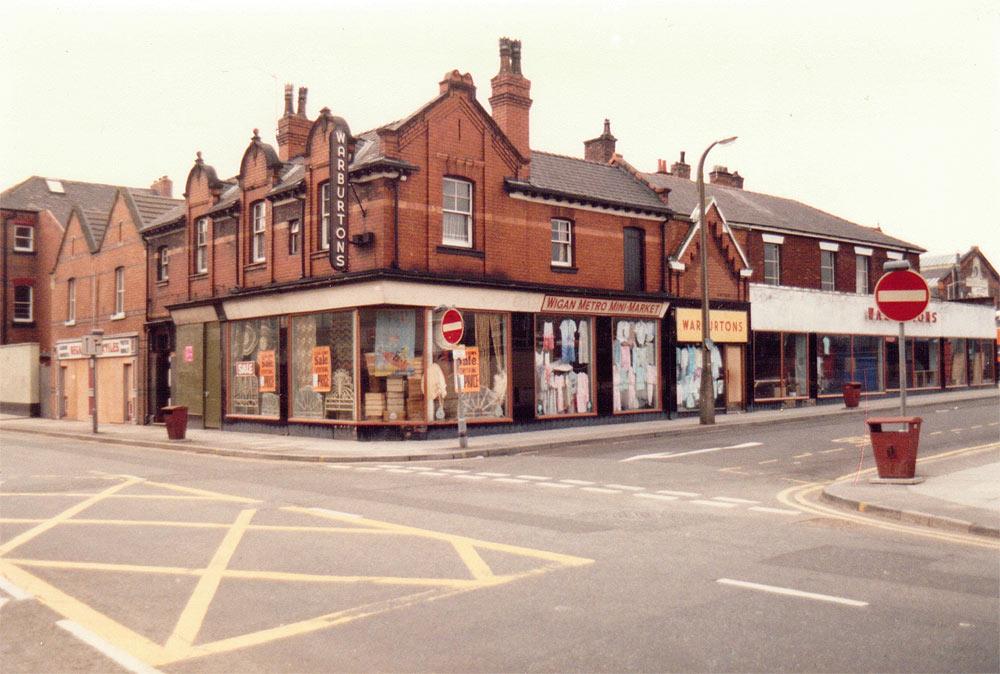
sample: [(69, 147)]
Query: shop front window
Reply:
[(563, 365), (868, 362), (472, 377), (780, 365), (392, 342), (689, 376), (955, 364), (322, 364), (636, 371), (833, 363), (892, 362), (924, 359), (981, 366), (254, 368)]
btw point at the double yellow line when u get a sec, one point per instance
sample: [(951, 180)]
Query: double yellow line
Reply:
[(803, 497)]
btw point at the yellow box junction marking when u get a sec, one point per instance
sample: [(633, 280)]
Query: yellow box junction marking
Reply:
[(181, 644)]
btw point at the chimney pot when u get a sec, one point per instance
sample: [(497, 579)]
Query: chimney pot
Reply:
[(163, 186), (681, 169), (288, 99), (602, 148), (303, 92)]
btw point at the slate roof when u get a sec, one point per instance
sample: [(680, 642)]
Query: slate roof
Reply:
[(149, 206), (173, 215), (569, 177), (94, 224), (34, 194), (753, 208)]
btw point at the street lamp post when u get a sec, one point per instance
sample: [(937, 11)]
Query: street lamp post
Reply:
[(707, 397)]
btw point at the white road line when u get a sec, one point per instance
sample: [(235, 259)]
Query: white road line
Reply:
[(433, 473), (673, 455), (657, 497), (420, 469), (509, 480), (717, 504), (388, 465), (533, 477), (127, 661), (339, 466), (327, 511), (454, 470), (13, 590), (398, 470), (600, 490), (774, 511), (689, 494), (469, 477), (976, 426), (728, 499), (369, 469), (956, 430), (761, 463), (494, 474), (802, 455), (581, 483), (554, 485), (831, 451), (625, 487), (936, 432), (994, 423), (791, 593)]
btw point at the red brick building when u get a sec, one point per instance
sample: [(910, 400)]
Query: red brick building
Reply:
[(305, 294)]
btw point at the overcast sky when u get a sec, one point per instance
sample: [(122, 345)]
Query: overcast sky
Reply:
[(884, 113)]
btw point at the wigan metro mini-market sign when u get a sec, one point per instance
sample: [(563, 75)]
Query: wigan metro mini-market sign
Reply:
[(341, 144)]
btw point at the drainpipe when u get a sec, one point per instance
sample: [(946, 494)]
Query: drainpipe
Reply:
[(395, 222), (663, 256), (3, 300), (302, 235)]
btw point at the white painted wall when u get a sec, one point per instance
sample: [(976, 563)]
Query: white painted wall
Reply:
[(776, 308)]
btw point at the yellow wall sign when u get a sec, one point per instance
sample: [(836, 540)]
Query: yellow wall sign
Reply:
[(726, 326)]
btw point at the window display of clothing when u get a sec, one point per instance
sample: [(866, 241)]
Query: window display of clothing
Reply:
[(567, 331), (548, 336), (584, 355)]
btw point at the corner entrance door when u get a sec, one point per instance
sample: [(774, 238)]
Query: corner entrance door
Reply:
[(127, 392)]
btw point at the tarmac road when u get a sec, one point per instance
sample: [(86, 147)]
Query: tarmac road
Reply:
[(592, 558)]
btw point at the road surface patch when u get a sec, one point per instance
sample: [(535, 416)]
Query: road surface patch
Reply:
[(227, 569)]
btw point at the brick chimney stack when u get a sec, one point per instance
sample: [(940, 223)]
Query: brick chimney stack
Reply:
[(163, 186), (602, 148), (293, 128), (511, 99), (720, 175), (681, 169)]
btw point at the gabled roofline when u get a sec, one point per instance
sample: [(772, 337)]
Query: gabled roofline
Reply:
[(725, 227), (513, 186)]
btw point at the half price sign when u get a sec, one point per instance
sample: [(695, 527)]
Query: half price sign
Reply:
[(467, 368)]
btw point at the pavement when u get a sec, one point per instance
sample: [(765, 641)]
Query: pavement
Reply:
[(965, 499)]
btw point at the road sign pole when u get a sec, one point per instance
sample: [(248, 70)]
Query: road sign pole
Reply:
[(902, 369)]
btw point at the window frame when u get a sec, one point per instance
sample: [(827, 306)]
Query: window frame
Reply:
[(30, 304), (828, 284), (162, 264), (857, 269), (258, 227), (445, 240), (119, 292), (294, 236), (772, 279), (201, 246), (325, 216), (71, 301), (30, 248), (565, 245)]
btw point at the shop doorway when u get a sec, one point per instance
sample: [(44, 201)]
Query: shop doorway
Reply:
[(735, 380), (127, 393)]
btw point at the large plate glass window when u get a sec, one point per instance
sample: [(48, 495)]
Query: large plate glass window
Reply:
[(322, 365), (956, 371), (780, 365), (473, 377), (392, 370), (925, 354), (981, 367), (834, 366), (635, 370), (564, 356), (869, 357), (254, 368), (457, 206)]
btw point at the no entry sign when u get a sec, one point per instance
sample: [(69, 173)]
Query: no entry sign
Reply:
[(452, 327), (902, 295)]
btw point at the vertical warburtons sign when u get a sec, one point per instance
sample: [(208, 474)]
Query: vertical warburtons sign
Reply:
[(341, 147)]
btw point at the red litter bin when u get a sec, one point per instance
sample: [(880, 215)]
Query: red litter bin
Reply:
[(852, 393), (176, 418), (895, 451)]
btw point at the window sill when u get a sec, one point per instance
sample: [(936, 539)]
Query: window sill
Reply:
[(24, 251), (254, 266), (198, 275), (69, 324), (116, 317), (564, 270), (455, 250), (164, 282), (21, 323)]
